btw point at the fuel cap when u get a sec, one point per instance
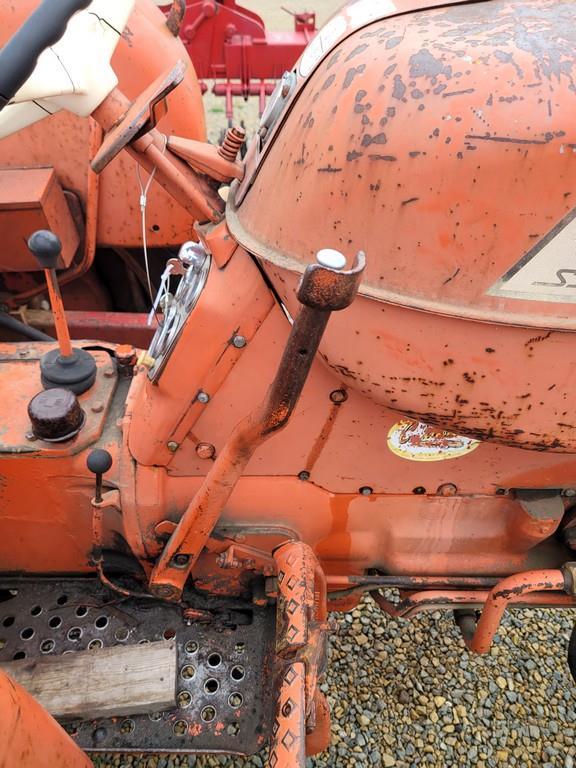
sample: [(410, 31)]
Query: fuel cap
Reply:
[(55, 415)]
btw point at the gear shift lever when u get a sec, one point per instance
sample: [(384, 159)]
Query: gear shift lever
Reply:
[(67, 366)]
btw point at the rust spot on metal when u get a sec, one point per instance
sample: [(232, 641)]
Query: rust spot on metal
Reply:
[(452, 276), (536, 339), (387, 158), (322, 438)]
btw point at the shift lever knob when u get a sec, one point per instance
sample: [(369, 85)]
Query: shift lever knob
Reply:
[(66, 367), (46, 247)]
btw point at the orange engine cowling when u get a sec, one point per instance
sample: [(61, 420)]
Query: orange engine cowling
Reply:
[(440, 142)]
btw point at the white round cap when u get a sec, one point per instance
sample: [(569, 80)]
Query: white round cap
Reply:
[(330, 257)]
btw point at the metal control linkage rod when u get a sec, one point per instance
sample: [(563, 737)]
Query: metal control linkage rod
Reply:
[(558, 584), (323, 289), (46, 247), (502, 595)]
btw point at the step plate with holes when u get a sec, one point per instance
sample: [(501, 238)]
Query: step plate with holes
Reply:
[(224, 668)]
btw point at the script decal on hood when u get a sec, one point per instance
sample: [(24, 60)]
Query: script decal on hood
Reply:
[(416, 441)]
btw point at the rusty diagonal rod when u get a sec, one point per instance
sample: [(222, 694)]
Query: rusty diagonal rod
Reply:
[(321, 291)]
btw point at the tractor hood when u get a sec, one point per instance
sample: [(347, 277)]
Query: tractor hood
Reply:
[(440, 141)]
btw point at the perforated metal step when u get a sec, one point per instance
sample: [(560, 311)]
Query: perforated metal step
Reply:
[(223, 705)]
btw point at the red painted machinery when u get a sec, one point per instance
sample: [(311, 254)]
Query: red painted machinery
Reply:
[(230, 44), (361, 367)]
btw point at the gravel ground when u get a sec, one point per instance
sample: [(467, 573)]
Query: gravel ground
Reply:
[(408, 693)]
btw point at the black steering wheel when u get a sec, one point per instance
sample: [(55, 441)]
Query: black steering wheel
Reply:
[(42, 29)]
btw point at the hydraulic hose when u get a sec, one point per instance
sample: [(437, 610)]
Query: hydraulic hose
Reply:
[(13, 324)]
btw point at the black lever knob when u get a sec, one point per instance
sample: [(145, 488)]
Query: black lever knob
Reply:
[(66, 367), (98, 462), (46, 247)]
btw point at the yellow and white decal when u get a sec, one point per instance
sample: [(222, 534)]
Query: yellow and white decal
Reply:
[(416, 441)]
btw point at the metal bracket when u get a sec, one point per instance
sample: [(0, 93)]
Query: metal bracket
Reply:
[(143, 115), (322, 290)]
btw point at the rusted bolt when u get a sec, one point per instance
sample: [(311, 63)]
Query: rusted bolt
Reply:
[(419, 490), (304, 475), (339, 396), (23, 353), (164, 590), (569, 492), (447, 489), (203, 397), (125, 353), (172, 446), (99, 735), (109, 372), (205, 451), (30, 436), (98, 407), (180, 561), (365, 490), (239, 341)]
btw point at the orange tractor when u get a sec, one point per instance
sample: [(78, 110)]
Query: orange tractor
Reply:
[(359, 371)]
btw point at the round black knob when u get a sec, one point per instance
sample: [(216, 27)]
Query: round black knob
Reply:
[(46, 247), (99, 461)]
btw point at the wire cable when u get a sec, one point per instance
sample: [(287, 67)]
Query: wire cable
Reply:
[(143, 203)]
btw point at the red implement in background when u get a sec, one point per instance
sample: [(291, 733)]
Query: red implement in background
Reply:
[(230, 44)]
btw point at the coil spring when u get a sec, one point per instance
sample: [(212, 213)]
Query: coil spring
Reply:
[(232, 142)]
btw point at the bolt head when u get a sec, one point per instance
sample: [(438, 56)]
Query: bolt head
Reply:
[(165, 590), (99, 735), (366, 490), (125, 352), (172, 446), (239, 341), (180, 561), (339, 396), (304, 475), (203, 397), (205, 451), (447, 489)]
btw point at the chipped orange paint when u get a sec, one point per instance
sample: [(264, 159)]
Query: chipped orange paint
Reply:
[(428, 340)]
